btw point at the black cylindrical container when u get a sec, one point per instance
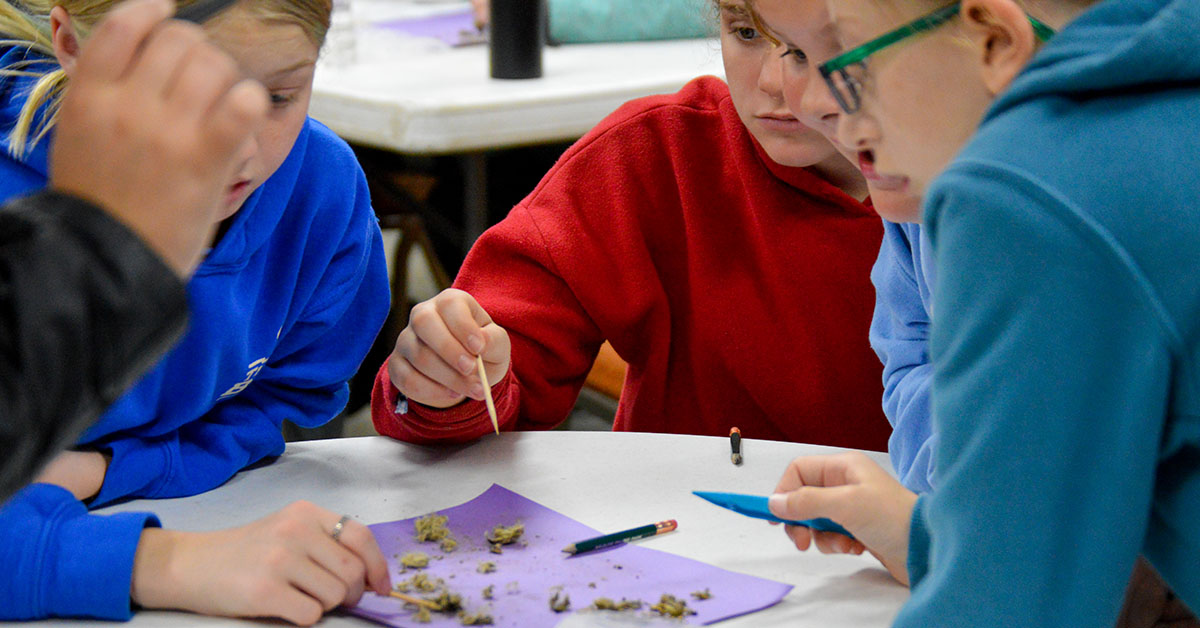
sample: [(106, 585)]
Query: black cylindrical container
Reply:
[(518, 33)]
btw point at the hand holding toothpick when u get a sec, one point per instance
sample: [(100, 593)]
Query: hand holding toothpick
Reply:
[(441, 356)]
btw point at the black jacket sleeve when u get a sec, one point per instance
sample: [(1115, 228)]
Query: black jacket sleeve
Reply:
[(85, 309)]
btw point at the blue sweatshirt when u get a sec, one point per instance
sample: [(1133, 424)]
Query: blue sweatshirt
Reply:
[(903, 278), (283, 310), (1066, 349)]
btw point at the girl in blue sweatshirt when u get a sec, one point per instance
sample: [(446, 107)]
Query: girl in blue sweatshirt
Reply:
[(1060, 186), (284, 307), (902, 274)]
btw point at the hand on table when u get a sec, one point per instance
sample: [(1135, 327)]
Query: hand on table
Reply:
[(152, 126), (855, 492), (81, 472), (434, 359), (1149, 603), (287, 565)]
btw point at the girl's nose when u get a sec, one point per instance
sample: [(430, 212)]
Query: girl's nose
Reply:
[(818, 102), (247, 152), (855, 131), (770, 75)]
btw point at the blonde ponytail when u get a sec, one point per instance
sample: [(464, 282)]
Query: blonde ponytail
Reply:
[(20, 30), (27, 25)]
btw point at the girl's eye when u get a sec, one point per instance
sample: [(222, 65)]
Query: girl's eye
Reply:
[(281, 100), (744, 33), (796, 54)]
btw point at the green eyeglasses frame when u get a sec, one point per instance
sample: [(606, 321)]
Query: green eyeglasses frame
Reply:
[(848, 90)]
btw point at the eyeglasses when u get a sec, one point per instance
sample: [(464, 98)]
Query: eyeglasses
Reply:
[(844, 73)]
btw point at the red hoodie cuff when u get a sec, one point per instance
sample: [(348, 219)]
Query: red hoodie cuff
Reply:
[(409, 421)]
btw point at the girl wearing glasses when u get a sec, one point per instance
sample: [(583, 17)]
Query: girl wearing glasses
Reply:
[(903, 274), (1065, 349), (718, 240)]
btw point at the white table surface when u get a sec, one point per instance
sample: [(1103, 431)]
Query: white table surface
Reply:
[(610, 481), (419, 96)]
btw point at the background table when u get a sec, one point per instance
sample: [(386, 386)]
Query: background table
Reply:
[(610, 481), (421, 97)]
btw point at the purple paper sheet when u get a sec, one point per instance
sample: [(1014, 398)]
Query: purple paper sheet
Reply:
[(539, 566), (456, 29)]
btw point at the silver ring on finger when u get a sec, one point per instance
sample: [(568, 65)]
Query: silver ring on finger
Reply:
[(338, 527)]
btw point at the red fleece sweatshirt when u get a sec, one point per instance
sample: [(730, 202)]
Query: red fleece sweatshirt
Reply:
[(738, 290)]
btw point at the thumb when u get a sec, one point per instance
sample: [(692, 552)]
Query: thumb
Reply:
[(811, 502)]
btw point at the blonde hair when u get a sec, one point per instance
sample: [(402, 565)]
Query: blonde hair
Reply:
[(26, 24)]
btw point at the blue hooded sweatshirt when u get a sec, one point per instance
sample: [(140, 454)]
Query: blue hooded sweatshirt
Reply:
[(283, 310), (903, 278), (1066, 346)]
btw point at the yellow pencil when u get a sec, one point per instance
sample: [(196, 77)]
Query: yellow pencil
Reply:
[(487, 393)]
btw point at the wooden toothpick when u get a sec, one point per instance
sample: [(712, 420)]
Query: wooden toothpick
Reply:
[(487, 393), (412, 599)]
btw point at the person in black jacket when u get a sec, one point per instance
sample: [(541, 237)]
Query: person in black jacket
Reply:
[(92, 270)]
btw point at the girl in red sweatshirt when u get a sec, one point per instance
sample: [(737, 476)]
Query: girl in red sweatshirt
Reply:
[(719, 241)]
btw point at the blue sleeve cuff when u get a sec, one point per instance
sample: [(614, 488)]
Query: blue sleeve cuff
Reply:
[(918, 544), (66, 563), (138, 469), (93, 565)]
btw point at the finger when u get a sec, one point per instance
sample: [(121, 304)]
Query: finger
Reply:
[(800, 536), (422, 358), (825, 471), (318, 582), (357, 538), (290, 604), (235, 117), (832, 542), (811, 502), (115, 41), (416, 386), (154, 70), (465, 319), (335, 558), (427, 322), (497, 346), (801, 471), (203, 77)]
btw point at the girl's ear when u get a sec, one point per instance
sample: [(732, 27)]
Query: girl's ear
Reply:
[(1003, 37), (66, 41)]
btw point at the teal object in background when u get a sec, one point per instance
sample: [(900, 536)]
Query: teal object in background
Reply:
[(592, 21), (756, 506)]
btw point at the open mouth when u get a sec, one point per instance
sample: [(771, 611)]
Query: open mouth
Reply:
[(886, 182), (238, 188), (866, 162), (236, 193)]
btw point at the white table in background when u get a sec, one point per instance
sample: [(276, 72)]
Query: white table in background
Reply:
[(607, 480), (421, 97)]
